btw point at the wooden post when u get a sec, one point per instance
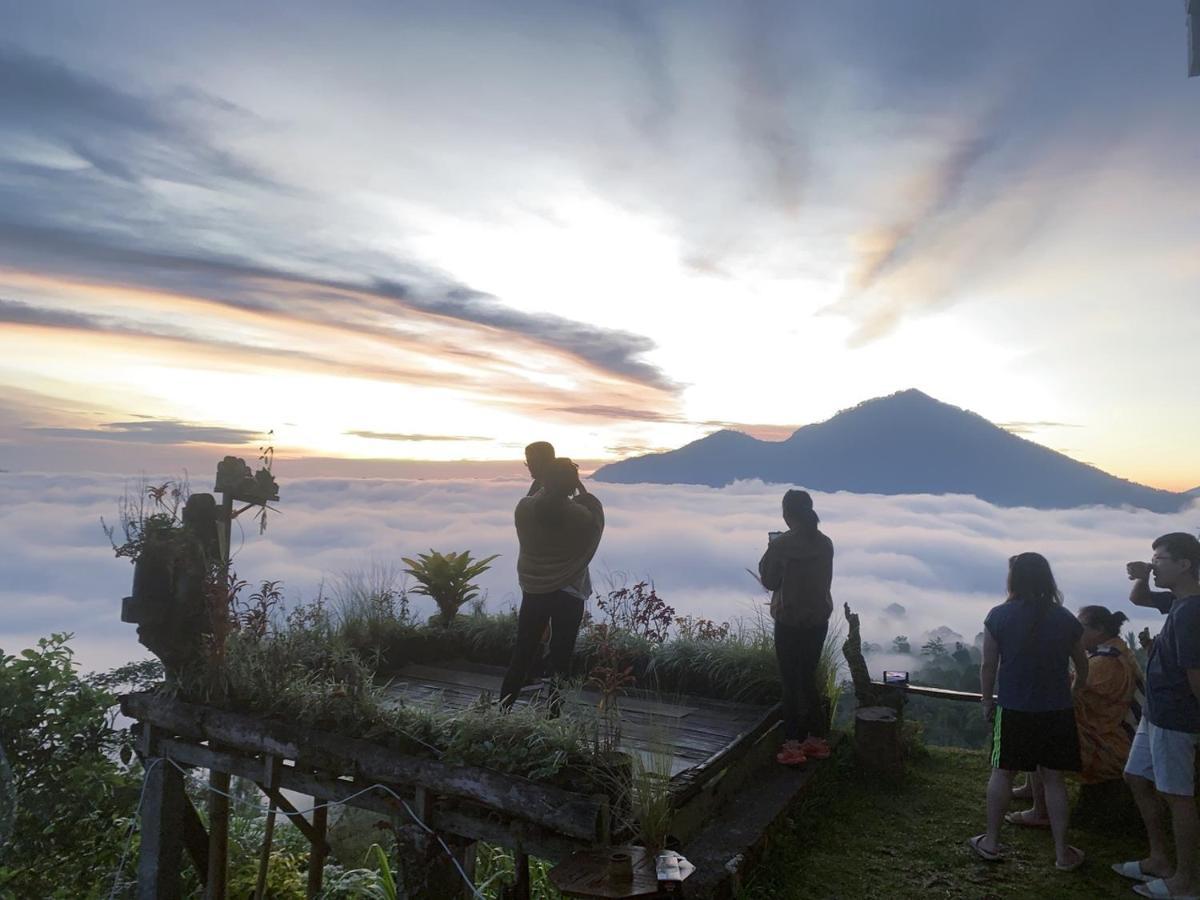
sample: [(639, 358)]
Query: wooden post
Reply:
[(195, 839), (522, 887), (467, 853), (161, 853), (270, 781), (218, 782), (316, 860), (218, 834)]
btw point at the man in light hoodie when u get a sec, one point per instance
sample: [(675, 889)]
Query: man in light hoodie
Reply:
[(798, 570), (558, 529)]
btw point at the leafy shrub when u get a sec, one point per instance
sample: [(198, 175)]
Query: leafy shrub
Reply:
[(693, 629), (637, 611), (150, 516), (73, 794), (447, 579)]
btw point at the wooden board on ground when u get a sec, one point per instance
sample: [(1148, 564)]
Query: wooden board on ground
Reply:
[(693, 728), (587, 874)]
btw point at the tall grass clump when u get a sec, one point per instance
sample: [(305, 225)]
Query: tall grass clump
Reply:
[(370, 606), (496, 871), (478, 637), (522, 741), (302, 671), (651, 803), (831, 669)]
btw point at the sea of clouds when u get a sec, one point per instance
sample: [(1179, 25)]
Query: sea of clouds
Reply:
[(941, 558)]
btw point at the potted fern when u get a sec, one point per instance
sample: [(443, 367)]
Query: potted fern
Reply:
[(447, 578)]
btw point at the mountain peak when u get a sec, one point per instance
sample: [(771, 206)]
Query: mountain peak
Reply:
[(904, 443)]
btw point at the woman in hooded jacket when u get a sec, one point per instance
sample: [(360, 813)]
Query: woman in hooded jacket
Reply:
[(798, 570)]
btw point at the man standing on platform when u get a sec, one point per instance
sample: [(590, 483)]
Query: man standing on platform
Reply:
[(559, 530)]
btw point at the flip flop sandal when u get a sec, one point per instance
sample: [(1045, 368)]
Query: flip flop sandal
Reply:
[(1071, 867), (976, 845), (1132, 870), (1025, 821), (1158, 889)]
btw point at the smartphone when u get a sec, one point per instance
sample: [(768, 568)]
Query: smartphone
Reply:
[(771, 535), (895, 678)]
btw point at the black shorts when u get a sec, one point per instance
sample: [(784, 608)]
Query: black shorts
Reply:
[(1022, 741)]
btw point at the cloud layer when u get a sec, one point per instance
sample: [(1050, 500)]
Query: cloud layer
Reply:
[(943, 559)]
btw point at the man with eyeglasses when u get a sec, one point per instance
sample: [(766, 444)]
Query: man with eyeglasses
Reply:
[(1161, 764)]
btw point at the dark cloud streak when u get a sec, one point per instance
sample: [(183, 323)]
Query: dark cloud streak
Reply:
[(153, 431), (121, 134), (125, 139), (414, 438)]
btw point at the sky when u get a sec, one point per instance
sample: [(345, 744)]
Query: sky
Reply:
[(433, 232), (908, 565)]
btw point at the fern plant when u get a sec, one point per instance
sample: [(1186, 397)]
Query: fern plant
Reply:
[(447, 578)]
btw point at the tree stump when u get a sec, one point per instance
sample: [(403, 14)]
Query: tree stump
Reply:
[(877, 743), (867, 693)]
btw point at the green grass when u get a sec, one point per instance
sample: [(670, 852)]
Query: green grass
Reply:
[(856, 837)]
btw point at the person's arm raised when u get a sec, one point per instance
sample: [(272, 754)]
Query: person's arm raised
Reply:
[(1140, 594), (594, 507)]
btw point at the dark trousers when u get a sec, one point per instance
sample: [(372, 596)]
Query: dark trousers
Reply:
[(563, 612), (798, 649)]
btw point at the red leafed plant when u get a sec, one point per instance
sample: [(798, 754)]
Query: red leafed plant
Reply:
[(638, 611)]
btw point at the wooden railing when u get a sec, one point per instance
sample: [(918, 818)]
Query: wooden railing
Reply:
[(918, 690)]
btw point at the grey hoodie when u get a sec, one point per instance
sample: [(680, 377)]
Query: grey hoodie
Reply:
[(557, 540)]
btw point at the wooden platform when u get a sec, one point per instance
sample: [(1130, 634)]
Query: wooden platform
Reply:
[(696, 730)]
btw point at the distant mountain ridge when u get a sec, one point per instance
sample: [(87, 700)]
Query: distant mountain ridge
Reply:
[(905, 443)]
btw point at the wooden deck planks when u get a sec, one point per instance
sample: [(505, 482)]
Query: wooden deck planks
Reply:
[(695, 728)]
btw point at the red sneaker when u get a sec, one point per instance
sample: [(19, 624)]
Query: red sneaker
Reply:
[(815, 748), (791, 754)]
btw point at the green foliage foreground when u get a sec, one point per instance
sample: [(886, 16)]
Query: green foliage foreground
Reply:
[(70, 789)]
